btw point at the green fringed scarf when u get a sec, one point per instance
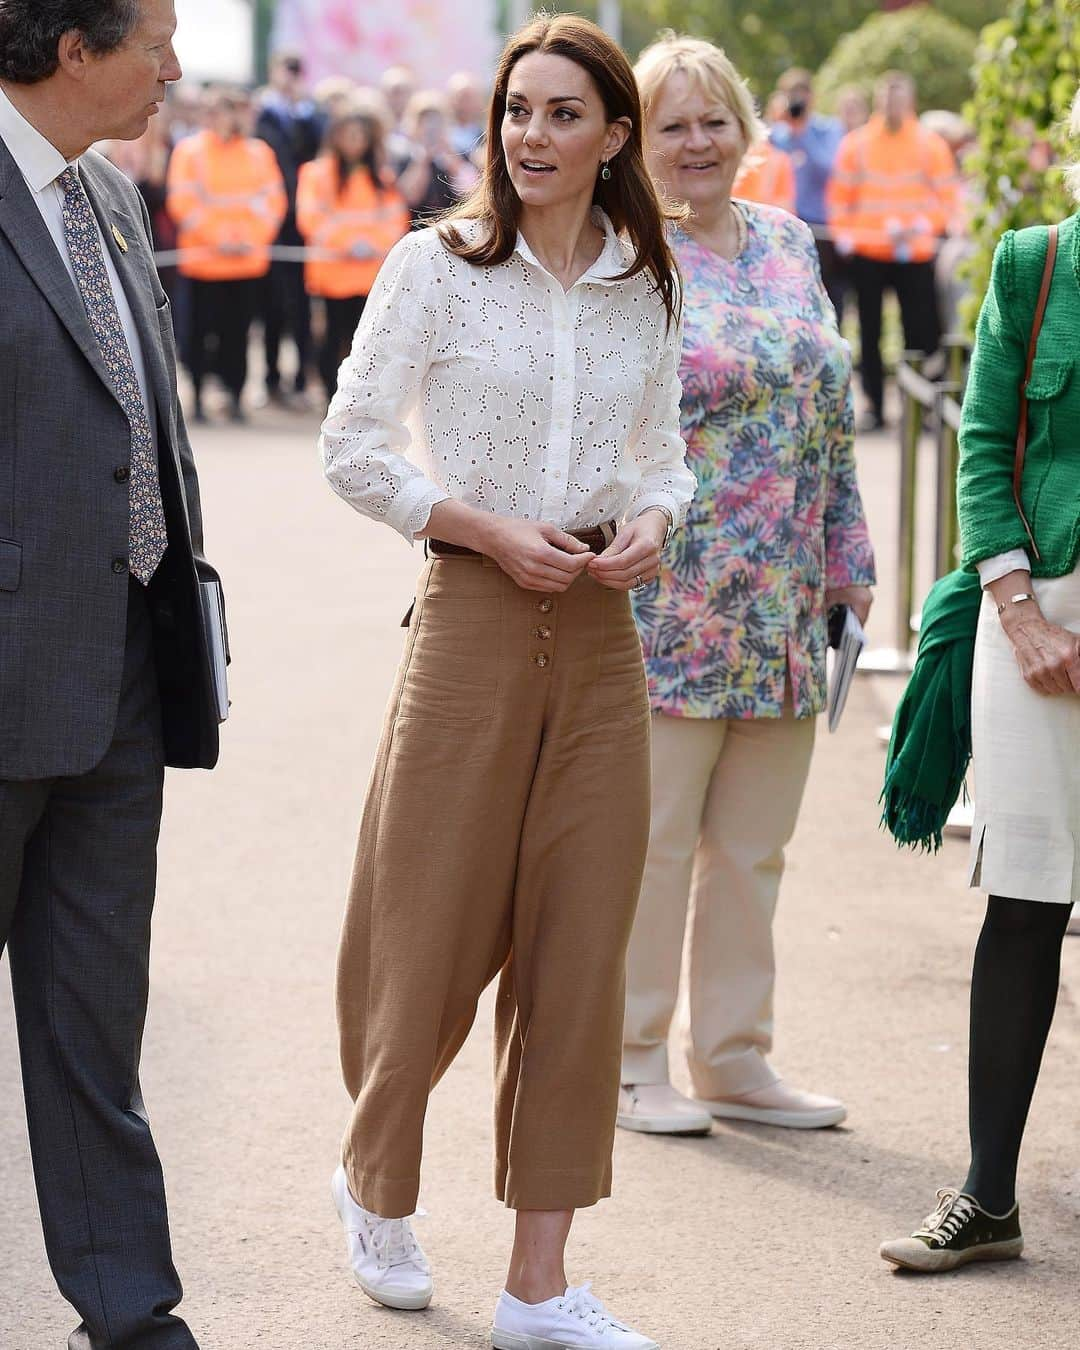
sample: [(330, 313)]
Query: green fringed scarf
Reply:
[(931, 736)]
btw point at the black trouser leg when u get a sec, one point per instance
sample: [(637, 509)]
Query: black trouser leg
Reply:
[(298, 311), (235, 311), (342, 316), (917, 292), (201, 334), (79, 948), (871, 277), (834, 275), (273, 322), (1013, 992)]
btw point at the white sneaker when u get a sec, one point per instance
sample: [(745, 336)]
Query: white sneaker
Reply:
[(656, 1108), (576, 1321), (779, 1104), (388, 1262)]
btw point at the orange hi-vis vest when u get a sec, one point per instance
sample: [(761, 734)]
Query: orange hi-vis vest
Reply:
[(892, 194), (335, 223), (767, 175), (223, 193)]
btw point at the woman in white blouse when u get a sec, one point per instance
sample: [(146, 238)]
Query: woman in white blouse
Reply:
[(512, 398)]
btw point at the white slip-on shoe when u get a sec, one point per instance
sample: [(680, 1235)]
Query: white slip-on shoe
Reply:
[(779, 1104), (574, 1321), (388, 1262), (656, 1108)]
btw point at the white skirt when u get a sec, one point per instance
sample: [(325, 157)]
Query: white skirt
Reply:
[(1026, 759)]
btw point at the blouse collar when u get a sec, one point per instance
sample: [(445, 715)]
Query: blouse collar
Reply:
[(605, 270)]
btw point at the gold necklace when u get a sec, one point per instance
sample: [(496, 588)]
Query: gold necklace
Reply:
[(742, 234)]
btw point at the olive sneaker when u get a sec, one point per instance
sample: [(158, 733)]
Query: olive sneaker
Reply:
[(957, 1232)]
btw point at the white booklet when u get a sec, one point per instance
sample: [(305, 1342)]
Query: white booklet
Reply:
[(844, 660), (212, 604)]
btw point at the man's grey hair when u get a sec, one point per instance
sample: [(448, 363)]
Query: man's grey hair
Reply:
[(30, 32)]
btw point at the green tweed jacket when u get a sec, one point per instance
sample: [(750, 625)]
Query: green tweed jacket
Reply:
[(989, 521)]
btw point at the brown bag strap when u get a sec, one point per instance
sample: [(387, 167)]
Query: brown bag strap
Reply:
[(1022, 421)]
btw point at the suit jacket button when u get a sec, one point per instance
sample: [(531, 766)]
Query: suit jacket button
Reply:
[(119, 565), (122, 473)]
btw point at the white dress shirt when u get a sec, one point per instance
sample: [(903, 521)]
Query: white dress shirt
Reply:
[(40, 164), (494, 386)]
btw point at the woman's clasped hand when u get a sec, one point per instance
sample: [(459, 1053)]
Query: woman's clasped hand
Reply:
[(541, 557), (1047, 654)]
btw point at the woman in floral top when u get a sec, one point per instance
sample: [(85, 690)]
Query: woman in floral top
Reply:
[(734, 628)]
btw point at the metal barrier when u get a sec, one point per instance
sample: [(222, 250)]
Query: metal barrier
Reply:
[(941, 400)]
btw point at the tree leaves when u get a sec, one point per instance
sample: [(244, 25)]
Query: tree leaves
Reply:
[(1027, 72)]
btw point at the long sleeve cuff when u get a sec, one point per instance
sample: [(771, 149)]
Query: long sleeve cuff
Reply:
[(993, 569), (651, 499)]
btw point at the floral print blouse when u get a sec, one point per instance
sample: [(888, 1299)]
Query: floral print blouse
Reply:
[(739, 607)]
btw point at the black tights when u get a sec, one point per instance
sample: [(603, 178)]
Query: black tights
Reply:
[(1013, 992)]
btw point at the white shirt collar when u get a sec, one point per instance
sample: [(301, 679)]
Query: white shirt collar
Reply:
[(605, 269), (38, 160)]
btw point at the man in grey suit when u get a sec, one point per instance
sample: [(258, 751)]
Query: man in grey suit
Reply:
[(105, 661)]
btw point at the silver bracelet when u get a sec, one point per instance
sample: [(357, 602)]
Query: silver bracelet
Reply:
[(1015, 600)]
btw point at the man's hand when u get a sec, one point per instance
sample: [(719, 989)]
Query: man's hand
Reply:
[(633, 557)]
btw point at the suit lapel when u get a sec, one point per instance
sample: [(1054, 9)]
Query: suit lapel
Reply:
[(29, 237), (136, 271)]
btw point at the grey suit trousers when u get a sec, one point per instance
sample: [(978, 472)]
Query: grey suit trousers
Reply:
[(77, 880)]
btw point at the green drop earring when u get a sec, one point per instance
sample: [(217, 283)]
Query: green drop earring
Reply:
[(605, 172)]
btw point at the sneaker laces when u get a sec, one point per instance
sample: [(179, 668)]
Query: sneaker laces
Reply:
[(394, 1244), (954, 1209), (580, 1302)]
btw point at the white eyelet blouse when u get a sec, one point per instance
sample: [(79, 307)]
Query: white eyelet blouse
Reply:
[(493, 386)]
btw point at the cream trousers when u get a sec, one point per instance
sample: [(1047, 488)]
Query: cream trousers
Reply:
[(725, 799)]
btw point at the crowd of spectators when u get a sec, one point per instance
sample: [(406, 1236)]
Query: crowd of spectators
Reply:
[(294, 239), (278, 206)]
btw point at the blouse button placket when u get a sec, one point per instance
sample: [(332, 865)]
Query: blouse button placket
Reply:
[(563, 394)]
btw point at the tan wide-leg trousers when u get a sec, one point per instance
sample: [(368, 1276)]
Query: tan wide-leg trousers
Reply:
[(505, 830), (725, 799)]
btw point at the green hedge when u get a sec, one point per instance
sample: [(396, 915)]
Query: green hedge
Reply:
[(936, 51)]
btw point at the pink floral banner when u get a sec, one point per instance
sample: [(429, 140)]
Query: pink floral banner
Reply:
[(361, 38)]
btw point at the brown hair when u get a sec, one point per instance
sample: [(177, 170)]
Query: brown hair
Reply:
[(630, 198), (373, 156)]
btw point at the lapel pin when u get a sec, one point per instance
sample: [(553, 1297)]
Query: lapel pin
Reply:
[(121, 242)]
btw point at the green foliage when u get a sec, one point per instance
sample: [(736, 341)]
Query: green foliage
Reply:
[(973, 14), (935, 50), (1026, 76), (765, 37)]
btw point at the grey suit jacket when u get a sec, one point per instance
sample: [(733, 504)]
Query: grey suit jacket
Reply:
[(65, 445)]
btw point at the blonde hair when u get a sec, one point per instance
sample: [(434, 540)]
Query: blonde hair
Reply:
[(709, 68), (1072, 174)]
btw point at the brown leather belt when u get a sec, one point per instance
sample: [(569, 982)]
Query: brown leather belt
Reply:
[(596, 539)]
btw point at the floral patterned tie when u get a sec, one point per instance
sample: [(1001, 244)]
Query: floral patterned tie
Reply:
[(148, 537)]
